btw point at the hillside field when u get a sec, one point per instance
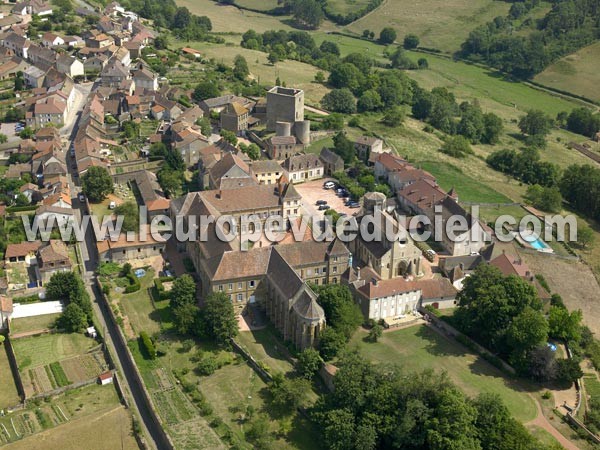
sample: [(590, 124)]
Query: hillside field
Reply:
[(441, 24), (578, 73)]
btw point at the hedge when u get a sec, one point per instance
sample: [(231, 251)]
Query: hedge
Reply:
[(12, 209), (134, 283), (27, 299), (148, 345)]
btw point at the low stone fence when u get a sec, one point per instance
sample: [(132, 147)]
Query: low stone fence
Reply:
[(14, 367), (63, 389), (258, 368), (577, 424)]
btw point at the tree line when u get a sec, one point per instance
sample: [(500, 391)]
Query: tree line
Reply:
[(567, 27)]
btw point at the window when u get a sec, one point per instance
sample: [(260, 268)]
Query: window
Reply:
[(251, 283), (334, 280), (240, 297), (240, 285), (334, 268), (324, 280), (335, 259), (308, 272), (220, 288), (317, 281), (295, 211), (231, 286), (317, 271), (324, 271)]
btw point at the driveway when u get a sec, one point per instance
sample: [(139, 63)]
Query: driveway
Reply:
[(313, 190)]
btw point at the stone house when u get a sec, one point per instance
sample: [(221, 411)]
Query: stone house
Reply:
[(304, 167), (267, 171), (52, 257), (235, 118), (367, 145), (122, 250), (332, 162)]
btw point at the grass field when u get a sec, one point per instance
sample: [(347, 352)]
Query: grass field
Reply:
[(439, 24), (138, 308), (578, 73), (93, 415), (467, 188), (48, 348), (260, 5), (294, 73), (8, 390), (419, 348), (346, 6), (26, 324), (226, 18)]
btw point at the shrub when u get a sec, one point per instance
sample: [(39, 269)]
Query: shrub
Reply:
[(147, 345), (208, 365)]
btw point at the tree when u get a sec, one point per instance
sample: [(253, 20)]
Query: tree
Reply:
[(308, 13), (542, 363), (493, 127), (331, 343), (375, 333), (97, 184), (583, 121), (218, 320), (535, 124), (185, 316), (206, 89), (333, 121), (259, 432), (308, 363), (320, 77), (205, 126), (3, 138), (393, 117), (369, 101), (527, 330), (240, 68), (62, 285), (27, 133), (387, 35), (400, 60), (183, 291), (422, 63), (411, 41), (288, 394), (170, 181), (544, 198), (330, 47), (457, 147), (131, 218), (229, 136), (564, 325), (568, 370), (73, 319), (585, 236), (207, 365), (344, 147), (273, 59), (339, 100), (253, 152)]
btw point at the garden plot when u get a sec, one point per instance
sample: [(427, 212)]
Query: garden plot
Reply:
[(173, 406), (84, 367)]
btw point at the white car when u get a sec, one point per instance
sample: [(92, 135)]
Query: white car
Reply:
[(329, 185)]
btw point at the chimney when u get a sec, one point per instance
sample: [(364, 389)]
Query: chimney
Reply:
[(219, 194), (462, 266), (374, 281), (433, 201)]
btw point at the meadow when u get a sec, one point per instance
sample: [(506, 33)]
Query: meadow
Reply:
[(419, 348), (441, 24), (578, 73), (34, 323), (45, 349)]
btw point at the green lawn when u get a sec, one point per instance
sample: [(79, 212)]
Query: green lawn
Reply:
[(346, 6), (266, 348), (439, 24), (26, 324), (592, 387), (8, 390), (578, 73), (419, 348), (317, 146), (468, 189), (260, 5), (42, 350), (138, 308), (543, 436)]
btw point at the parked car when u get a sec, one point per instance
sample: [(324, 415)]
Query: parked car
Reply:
[(321, 202), (349, 202), (354, 205), (324, 207), (329, 185)]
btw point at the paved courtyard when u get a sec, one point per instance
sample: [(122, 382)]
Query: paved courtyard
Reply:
[(313, 190)]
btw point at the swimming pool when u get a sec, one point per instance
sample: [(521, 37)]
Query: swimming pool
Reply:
[(536, 242)]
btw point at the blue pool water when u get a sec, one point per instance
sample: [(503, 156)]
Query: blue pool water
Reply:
[(140, 273), (536, 242)]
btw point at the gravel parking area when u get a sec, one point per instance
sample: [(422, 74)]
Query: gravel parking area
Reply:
[(313, 191)]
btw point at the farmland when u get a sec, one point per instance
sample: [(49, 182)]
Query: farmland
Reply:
[(45, 349), (67, 421), (8, 390), (419, 347), (578, 73), (439, 24)]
